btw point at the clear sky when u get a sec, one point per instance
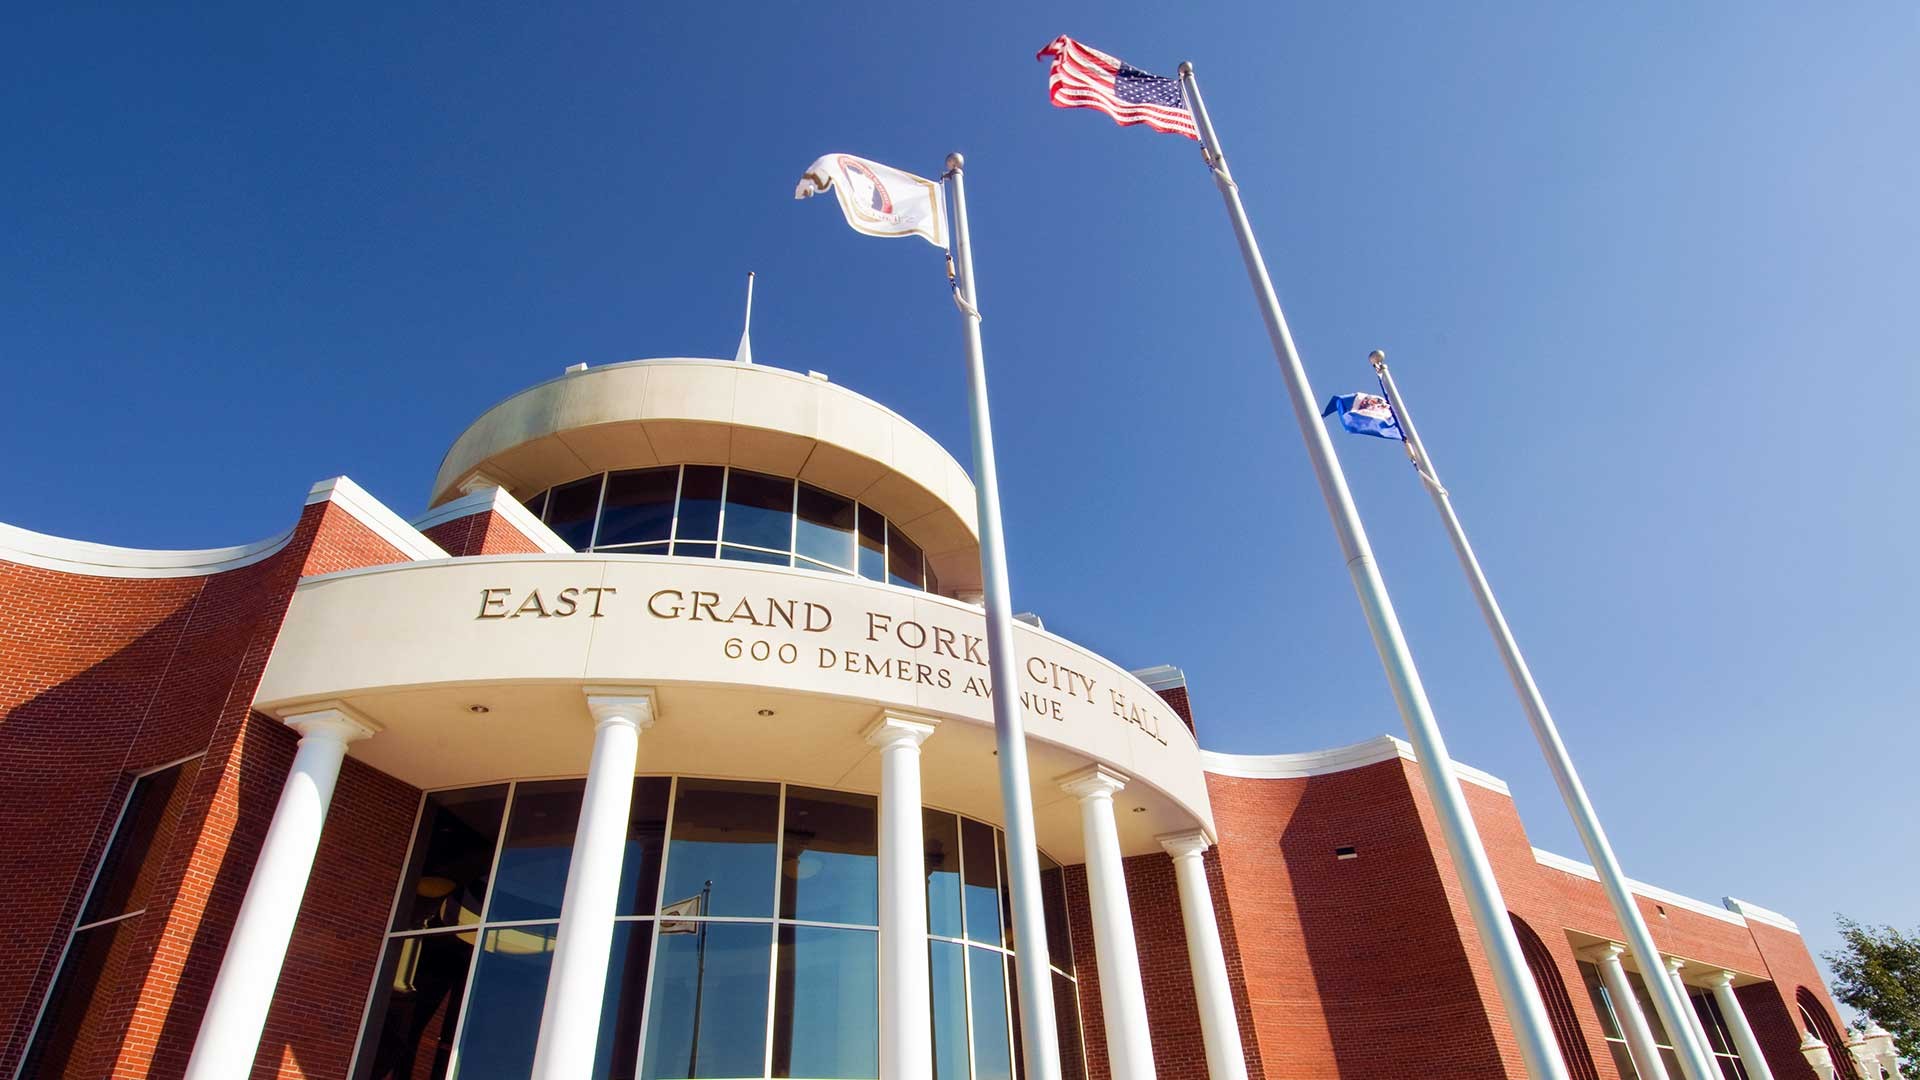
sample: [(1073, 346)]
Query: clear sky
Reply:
[(1647, 274)]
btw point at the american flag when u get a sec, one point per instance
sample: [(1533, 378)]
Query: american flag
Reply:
[(1083, 77)]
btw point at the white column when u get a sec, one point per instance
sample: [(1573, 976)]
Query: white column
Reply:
[(1695, 1030), (1626, 1006), (1750, 1055), (906, 1007), (570, 1020), (1123, 1001), (237, 1012), (1219, 1025)]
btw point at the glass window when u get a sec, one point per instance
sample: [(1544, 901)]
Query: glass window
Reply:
[(904, 566), (537, 505), (829, 867), (452, 854), (508, 994), (753, 555), (1053, 901), (708, 1016), (646, 839), (809, 564), (639, 506), (873, 545), (982, 880), (617, 1057), (949, 976), (570, 510), (1066, 1012), (415, 1006), (941, 834), (532, 875), (693, 551), (93, 958), (827, 1003), (987, 982), (700, 487), (824, 532), (759, 510), (722, 854), (145, 830)]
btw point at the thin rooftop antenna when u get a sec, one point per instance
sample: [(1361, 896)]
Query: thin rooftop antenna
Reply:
[(744, 355)]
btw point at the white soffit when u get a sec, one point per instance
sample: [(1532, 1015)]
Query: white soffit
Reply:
[(1338, 759), (498, 501), (1756, 913), (1641, 888), (372, 513)]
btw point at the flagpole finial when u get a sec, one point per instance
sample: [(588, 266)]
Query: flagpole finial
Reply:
[(1186, 67), (1377, 357), (956, 161)]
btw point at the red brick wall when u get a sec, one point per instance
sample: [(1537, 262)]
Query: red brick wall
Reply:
[(484, 533)]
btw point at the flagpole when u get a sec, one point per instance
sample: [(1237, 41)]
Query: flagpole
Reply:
[(1035, 981), (1525, 1012), (1666, 999)]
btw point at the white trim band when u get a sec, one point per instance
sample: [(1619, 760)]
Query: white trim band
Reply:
[(497, 500), (371, 512), (82, 557), (1756, 913), (1338, 759), (1639, 888)]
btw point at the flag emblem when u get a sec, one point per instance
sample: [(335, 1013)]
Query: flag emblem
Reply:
[(1365, 414), (1083, 77), (869, 195), (877, 199)]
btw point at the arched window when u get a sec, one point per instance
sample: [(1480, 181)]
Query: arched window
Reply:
[(1814, 1015), (1553, 990)]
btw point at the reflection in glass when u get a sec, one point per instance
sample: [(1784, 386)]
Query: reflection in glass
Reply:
[(1006, 892), (76, 1004), (570, 511), (759, 510), (452, 853), (618, 1052), (646, 837), (949, 1010), (829, 864), (692, 551), (723, 850), (873, 544), (532, 874), (827, 1003), (708, 1015), (1066, 1012), (699, 503), (638, 506), (1053, 901), (753, 555), (941, 833), (508, 992), (904, 566), (824, 531), (140, 842), (415, 1005), (982, 881), (992, 1058)]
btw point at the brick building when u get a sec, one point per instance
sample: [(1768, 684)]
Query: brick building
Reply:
[(659, 745)]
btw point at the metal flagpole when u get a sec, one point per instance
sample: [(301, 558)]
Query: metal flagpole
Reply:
[(1525, 1012), (1673, 1010), (1037, 1031)]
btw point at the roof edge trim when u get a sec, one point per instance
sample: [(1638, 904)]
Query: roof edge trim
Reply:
[(1756, 913), (374, 514), (89, 559), (498, 501), (1639, 888), (1337, 759)]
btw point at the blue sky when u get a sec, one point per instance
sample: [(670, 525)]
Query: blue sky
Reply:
[(1647, 274)]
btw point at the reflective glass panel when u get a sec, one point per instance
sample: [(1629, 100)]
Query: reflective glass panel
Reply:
[(508, 992), (570, 509), (75, 1007), (536, 504), (904, 566), (740, 554), (415, 1006), (646, 838), (618, 1052), (638, 507), (722, 854), (140, 842), (1006, 892), (809, 564), (1647, 1010), (1623, 1059), (532, 874), (992, 1057), (827, 1003), (824, 531), (1066, 1012), (759, 510), (692, 551), (941, 834), (982, 882), (949, 976), (452, 853), (699, 503), (829, 864), (709, 1011), (1053, 901), (873, 545)]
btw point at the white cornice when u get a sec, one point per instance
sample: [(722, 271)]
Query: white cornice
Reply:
[(1640, 888), (497, 500), (1338, 759), (372, 513), (102, 560), (1756, 913)]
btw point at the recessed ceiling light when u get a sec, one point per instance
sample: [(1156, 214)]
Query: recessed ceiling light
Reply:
[(478, 709), (764, 712), (1139, 809)]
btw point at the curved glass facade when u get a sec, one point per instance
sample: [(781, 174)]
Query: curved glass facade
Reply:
[(716, 511), (746, 941)]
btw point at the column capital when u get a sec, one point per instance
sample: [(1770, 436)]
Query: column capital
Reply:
[(1092, 782), (1674, 964), (612, 704), (1720, 978), (899, 729), (1600, 954), (331, 720), (1182, 844)]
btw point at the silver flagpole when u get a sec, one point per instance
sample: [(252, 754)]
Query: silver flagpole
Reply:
[(1666, 999), (1037, 1032), (1518, 993)]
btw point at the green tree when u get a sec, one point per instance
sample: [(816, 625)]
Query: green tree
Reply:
[(1877, 973)]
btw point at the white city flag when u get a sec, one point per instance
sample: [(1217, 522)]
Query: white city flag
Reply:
[(674, 916), (879, 200)]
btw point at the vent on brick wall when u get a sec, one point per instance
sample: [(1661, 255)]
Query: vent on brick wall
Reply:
[(1346, 853)]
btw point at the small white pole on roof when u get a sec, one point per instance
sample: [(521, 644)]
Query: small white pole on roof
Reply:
[(744, 354)]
